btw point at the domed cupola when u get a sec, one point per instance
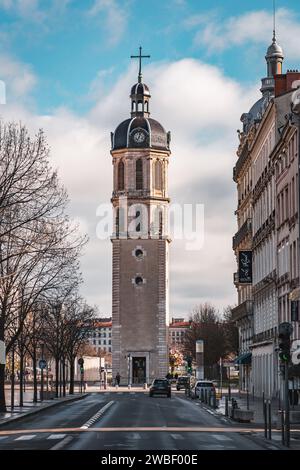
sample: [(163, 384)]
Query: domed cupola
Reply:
[(140, 131)]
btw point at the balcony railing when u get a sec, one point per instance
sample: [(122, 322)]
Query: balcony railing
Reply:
[(243, 310), (246, 229), (239, 164)]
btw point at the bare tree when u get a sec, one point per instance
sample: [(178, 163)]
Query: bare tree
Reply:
[(207, 325), (39, 246)]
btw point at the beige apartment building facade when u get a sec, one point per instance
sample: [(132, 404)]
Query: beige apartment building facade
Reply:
[(266, 174)]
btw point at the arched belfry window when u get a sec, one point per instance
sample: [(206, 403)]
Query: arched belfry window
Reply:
[(139, 174), (121, 171), (158, 175)]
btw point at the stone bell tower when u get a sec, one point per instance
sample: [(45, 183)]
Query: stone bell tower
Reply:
[(140, 305)]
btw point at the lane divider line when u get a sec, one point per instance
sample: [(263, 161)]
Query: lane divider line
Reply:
[(97, 416), (62, 443)]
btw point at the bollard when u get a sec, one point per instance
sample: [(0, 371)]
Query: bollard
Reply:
[(232, 407), (209, 398), (215, 400), (226, 406), (270, 419), (282, 427), (205, 396), (265, 418)]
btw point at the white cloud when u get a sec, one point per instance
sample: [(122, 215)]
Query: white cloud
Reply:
[(218, 35), (115, 18), (18, 77), (201, 107), (29, 9)]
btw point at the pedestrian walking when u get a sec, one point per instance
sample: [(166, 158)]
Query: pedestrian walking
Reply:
[(118, 378)]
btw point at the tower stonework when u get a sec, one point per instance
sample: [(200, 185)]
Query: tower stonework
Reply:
[(140, 305)]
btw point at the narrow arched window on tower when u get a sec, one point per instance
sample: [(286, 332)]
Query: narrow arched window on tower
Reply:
[(121, 176), (117, 222), (139, 174), (158, 175), (160, 230)]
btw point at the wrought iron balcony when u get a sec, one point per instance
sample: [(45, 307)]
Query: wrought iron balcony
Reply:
[(246, 229), (243, 310)]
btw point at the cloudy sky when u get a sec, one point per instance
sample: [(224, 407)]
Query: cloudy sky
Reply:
[(66, 67)]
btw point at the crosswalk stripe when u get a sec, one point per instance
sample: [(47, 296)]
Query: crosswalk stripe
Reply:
[(3, 437), (135, 435), (221, 437), (27, 437), (56, 436), (177, 436)]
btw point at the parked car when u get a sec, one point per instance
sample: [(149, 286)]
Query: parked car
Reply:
[(160, 387), (200, 387), (182, 382)]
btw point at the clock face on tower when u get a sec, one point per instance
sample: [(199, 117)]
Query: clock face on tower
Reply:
[(139, 136)]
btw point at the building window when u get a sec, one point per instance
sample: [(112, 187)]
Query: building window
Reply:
[(158, 175), (121, 176), (139, 174)]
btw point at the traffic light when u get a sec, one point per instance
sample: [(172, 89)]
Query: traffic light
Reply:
[(284, 337), (189, 364)]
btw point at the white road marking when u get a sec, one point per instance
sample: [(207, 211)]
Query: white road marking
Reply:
[(56, 436), (62, 443), (97, 416), (27, 437), (3, 437), (135, 435), (221, 437), (177, 436)]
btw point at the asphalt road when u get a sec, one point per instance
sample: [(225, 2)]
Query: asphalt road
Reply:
[(127, 421)]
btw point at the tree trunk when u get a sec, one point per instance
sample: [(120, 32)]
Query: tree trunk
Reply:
[(21, 376), (35, 385), (2, 371), (72, 373), (2, 388), (64, 376), (56, 376)]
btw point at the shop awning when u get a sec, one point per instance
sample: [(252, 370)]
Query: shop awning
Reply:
[(244, 358)]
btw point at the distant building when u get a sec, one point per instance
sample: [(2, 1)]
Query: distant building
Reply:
[(177, 331), (100, 335)]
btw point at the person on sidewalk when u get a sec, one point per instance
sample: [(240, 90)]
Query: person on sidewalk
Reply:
[(118, 378)]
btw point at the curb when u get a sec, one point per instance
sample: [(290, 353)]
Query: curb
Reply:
[(42, 408)]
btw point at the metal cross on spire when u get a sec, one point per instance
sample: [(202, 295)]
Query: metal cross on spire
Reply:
[(140, 57)]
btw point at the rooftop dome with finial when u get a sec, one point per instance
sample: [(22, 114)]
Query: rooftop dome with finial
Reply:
[(140, 131)]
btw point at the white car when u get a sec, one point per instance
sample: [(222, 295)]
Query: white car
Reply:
[(201, 386)]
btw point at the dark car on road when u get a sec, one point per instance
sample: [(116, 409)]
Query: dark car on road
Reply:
[(182, 382), (160, 387)]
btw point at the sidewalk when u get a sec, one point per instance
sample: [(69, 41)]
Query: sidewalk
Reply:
[(30, 408), (256, 405)]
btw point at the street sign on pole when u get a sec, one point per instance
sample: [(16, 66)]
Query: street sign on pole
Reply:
[(42, 364)]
